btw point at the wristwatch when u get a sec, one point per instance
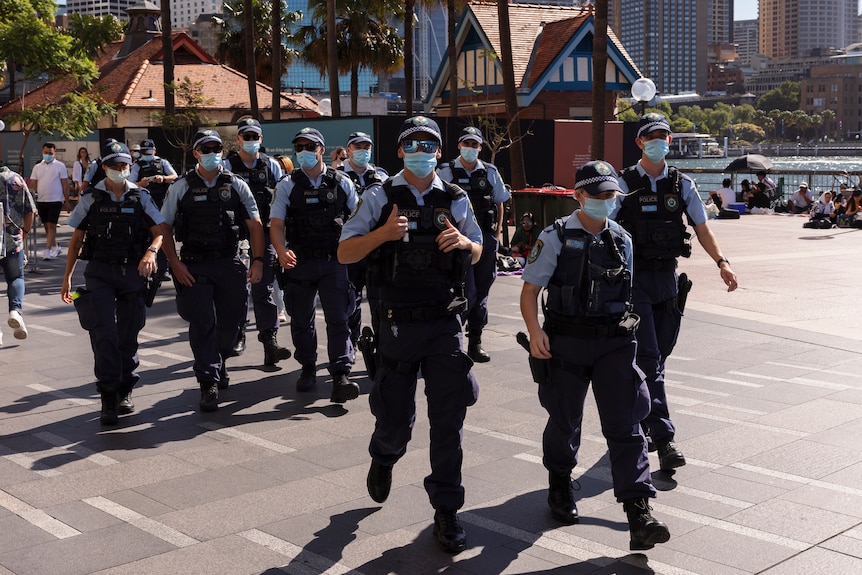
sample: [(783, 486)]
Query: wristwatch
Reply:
[(152, 249), (257, 259), (725, 260)]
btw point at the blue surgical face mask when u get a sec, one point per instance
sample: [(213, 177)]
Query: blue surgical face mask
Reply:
[(656, 149), (361, 157), (211, 162), (599, 209), (48, 158), (117, 176), (420, 163), (147, 158), (469, 155), (251, 147), (306, 159)]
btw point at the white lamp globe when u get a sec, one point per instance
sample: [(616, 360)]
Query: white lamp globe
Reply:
[(643, 90), (2, 126), (325, 107)]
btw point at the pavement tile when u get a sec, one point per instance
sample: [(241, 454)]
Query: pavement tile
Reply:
[(16, 533), (844, 544), (734, 443), (806, 458), (818, 415), (817, 561), (829, 499), (794, 520), (731, 549), (743, 489), (138, 503), (81, 516), (284, 467)]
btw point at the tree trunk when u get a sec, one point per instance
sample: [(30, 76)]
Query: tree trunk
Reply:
[(248, 24), (453, 56), (408, 55), (276, 60), (600, 63), (332, 58), (168, 57), (354, 88), (518, 177)]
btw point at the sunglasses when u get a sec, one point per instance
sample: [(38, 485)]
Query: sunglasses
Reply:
[(412, 146), (342, 158), (312, 147), (215, 149), (251, 137)]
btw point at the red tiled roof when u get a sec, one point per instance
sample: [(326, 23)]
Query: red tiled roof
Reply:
[(554, 38), (128, 82)]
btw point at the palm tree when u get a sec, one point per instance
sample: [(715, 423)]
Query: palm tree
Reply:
[(600, 62), (275, 32), (452, 50), (332, 59), (248, 24), (518, 177), (167, 57)]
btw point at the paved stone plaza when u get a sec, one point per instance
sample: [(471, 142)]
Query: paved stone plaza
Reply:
[(765, 389)]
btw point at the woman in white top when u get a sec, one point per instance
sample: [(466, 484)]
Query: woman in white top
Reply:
[(79, 168)]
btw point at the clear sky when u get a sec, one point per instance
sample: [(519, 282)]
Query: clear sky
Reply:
[(747, 9)]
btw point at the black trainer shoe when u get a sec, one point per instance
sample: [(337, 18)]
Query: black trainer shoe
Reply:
[(561, 498), (475, 351), (449, 532), (223, 377), (209, 397), (126, 406), (379, 481), (669, 457), (239, 346), (307, 378), (272, 352), (343, 389), (645, 529), (110, 408)]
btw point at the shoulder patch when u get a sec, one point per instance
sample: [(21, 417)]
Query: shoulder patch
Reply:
[(534, 253)]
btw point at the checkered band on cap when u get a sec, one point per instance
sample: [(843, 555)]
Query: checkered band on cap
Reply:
[(358, 138), (597, 177), (205, 137), (419, 124), (310, 134), (147, 145), (651, 122), (115, 152), (471, 133), (249, 125)]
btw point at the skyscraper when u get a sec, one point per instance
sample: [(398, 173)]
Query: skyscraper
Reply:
[(799, 28)]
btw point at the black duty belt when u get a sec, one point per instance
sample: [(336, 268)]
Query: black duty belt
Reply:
[(195, 257), (655, 265), (624, 326), (409, 314), (326, 255)]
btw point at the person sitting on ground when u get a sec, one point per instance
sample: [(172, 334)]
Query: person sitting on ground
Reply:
[(745, 191), (760, 197), (801, 200), (851, 210), (725, 194), (769, 186), (524, 237), (823, 208)]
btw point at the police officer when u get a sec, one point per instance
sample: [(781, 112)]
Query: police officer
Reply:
[(309, 209), (584, 262), (118, 230), (483, 184), (95, 171), (425, 237), (209, 208), (363, 174), (261, 173), (653, 214), (155, 174)]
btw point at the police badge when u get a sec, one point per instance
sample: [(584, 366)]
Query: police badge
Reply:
[(441, 216), (224, 193), (671, 202)]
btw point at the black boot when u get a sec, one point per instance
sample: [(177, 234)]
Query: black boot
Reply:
[(449, 532), (110, 408), (669, 457), (272, 352), (379, 481), (223, 378), (239, 346), (561, 498), (645, 530), (209, 397), (126, 406), (307, 378), (343, 389), (475, 351)]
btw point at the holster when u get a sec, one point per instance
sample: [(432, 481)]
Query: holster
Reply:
[(367, 345), (152, 286), (683, 287), (540, 369)]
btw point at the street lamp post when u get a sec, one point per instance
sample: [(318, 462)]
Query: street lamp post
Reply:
[(643, 90)]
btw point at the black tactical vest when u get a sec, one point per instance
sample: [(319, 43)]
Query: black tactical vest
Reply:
[(209, 220), (655, 219), (117, 232), (591, 284), (414, 269), (370, 177), (478, 187), (259, 178), (315, 216), (148, 170)]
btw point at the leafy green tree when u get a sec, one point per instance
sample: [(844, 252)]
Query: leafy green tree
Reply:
[(93, 33), (745, 132), (784, 97), (188, 117)]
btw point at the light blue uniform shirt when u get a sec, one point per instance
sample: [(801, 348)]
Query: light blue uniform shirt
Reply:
[(693, 204), (179, 188), (499, 193), (134, 174), (368, 213), (543, 259), (86, 201), (281, 198)]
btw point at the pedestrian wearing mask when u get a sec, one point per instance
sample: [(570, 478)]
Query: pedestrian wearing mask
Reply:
[(118, 231), (657, 196), (584, 264)]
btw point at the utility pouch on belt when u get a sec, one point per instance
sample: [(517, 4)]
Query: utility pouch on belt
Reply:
[(539, 368), (683, 287)]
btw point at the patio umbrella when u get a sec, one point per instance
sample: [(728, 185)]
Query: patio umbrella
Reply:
[(749, 163)]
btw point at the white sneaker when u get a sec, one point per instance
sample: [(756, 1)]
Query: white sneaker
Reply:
[(1, 338), (55, 250), (47, 255), (16, 322)]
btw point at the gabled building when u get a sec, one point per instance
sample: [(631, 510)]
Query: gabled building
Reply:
[(552, 57), (131, 77)]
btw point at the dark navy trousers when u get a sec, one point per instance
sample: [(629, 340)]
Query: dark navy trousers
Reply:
[(215, 307), (265, 308), (435, 347), (328, 279), (480, 277), (113, 312), (657, 335), (622, 401)]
